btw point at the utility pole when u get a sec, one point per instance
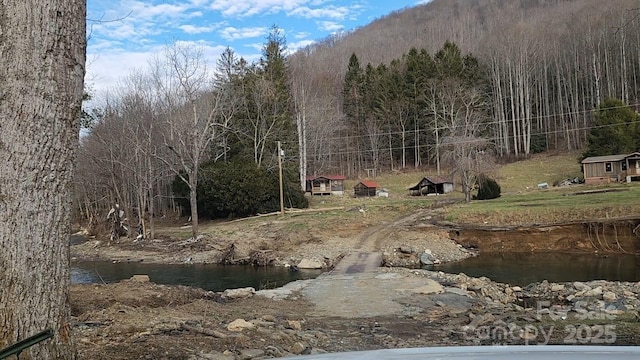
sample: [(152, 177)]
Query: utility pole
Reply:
[(280, 173)]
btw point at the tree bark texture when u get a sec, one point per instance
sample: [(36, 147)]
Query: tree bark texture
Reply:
[(42, 59)]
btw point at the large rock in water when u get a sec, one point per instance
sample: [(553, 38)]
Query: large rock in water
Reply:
[(310, 264), (427, 258)]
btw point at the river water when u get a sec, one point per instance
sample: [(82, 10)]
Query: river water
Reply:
[(523, 269), (515, 269), (208, 277)]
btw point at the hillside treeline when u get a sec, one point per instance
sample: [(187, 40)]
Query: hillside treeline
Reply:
[(545, 66), (508, 77)]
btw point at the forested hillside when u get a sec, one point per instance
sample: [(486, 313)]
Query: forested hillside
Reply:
[(453, 84), (545, 65)]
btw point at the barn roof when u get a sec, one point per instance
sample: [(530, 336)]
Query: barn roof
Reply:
[(330, 177), (608, 158), (437, 179), (369, 183)]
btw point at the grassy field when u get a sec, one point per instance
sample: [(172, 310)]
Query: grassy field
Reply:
[(525, 175), (521, 203), (551, 206)]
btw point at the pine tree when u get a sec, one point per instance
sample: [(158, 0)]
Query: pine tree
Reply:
[(615, 130)]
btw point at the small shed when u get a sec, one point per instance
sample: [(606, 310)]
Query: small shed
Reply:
[(432, 185), (325, 185), (365, 188), (611, 168)]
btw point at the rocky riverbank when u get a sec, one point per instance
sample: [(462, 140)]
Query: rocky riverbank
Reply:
[(389, 308)]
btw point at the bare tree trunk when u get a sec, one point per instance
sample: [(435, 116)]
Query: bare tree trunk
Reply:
[(42, 68), (193, 199)]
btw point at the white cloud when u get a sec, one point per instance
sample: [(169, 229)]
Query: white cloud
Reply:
[(332, 12), (231, 33), (295, 46), (329, 26), (255, 46), (301, 35), (242, 8), (106, 70), (190, 29), (134, 19)]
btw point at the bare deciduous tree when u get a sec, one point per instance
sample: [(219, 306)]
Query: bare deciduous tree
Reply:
[(191, 114), (465, 149)]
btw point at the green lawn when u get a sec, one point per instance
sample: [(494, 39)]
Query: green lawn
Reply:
[(525, 175), (552, 206)]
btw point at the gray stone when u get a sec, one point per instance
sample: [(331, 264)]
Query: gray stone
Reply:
[(293, 325), (430, 287), (240, 293), (594, 292), (140, 278), (239, 325), (248, 354), (298, 348), (406, 249), (310, 264), (426, 258), (580, 286), (609, 296), (457, 291), (475, 284), (557, 287)]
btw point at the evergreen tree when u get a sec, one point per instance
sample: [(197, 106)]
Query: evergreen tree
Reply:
[(265, 113), (353, 109), (487, 188), (615, 130)]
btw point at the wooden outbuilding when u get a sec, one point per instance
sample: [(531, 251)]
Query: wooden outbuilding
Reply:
[(365, 188), (611, 168), (432, 185), (325, 185)]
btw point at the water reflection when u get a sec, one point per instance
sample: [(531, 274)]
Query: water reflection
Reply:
[(523, 269), (208, 277)]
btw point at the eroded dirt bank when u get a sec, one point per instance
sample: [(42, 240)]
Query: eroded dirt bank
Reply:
[(609, 236)]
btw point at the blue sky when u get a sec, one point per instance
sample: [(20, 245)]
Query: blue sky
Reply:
[(124, 34)]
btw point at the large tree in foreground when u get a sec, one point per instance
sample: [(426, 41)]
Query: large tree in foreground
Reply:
[(41, 68)]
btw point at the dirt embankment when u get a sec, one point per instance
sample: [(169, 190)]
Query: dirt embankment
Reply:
[(620, 236), (280, 242)]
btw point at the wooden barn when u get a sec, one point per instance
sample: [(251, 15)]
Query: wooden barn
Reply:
[(611, 168), (365, 188), (325, 185), (432, 185)]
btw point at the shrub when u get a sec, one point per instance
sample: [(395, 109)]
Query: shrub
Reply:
[(239, 189), (488, 188)]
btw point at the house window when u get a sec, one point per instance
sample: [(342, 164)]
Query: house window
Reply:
[(624, 165), (607, 167)]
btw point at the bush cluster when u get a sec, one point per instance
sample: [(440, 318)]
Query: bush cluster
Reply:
[(239, 189), (488, 188)]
